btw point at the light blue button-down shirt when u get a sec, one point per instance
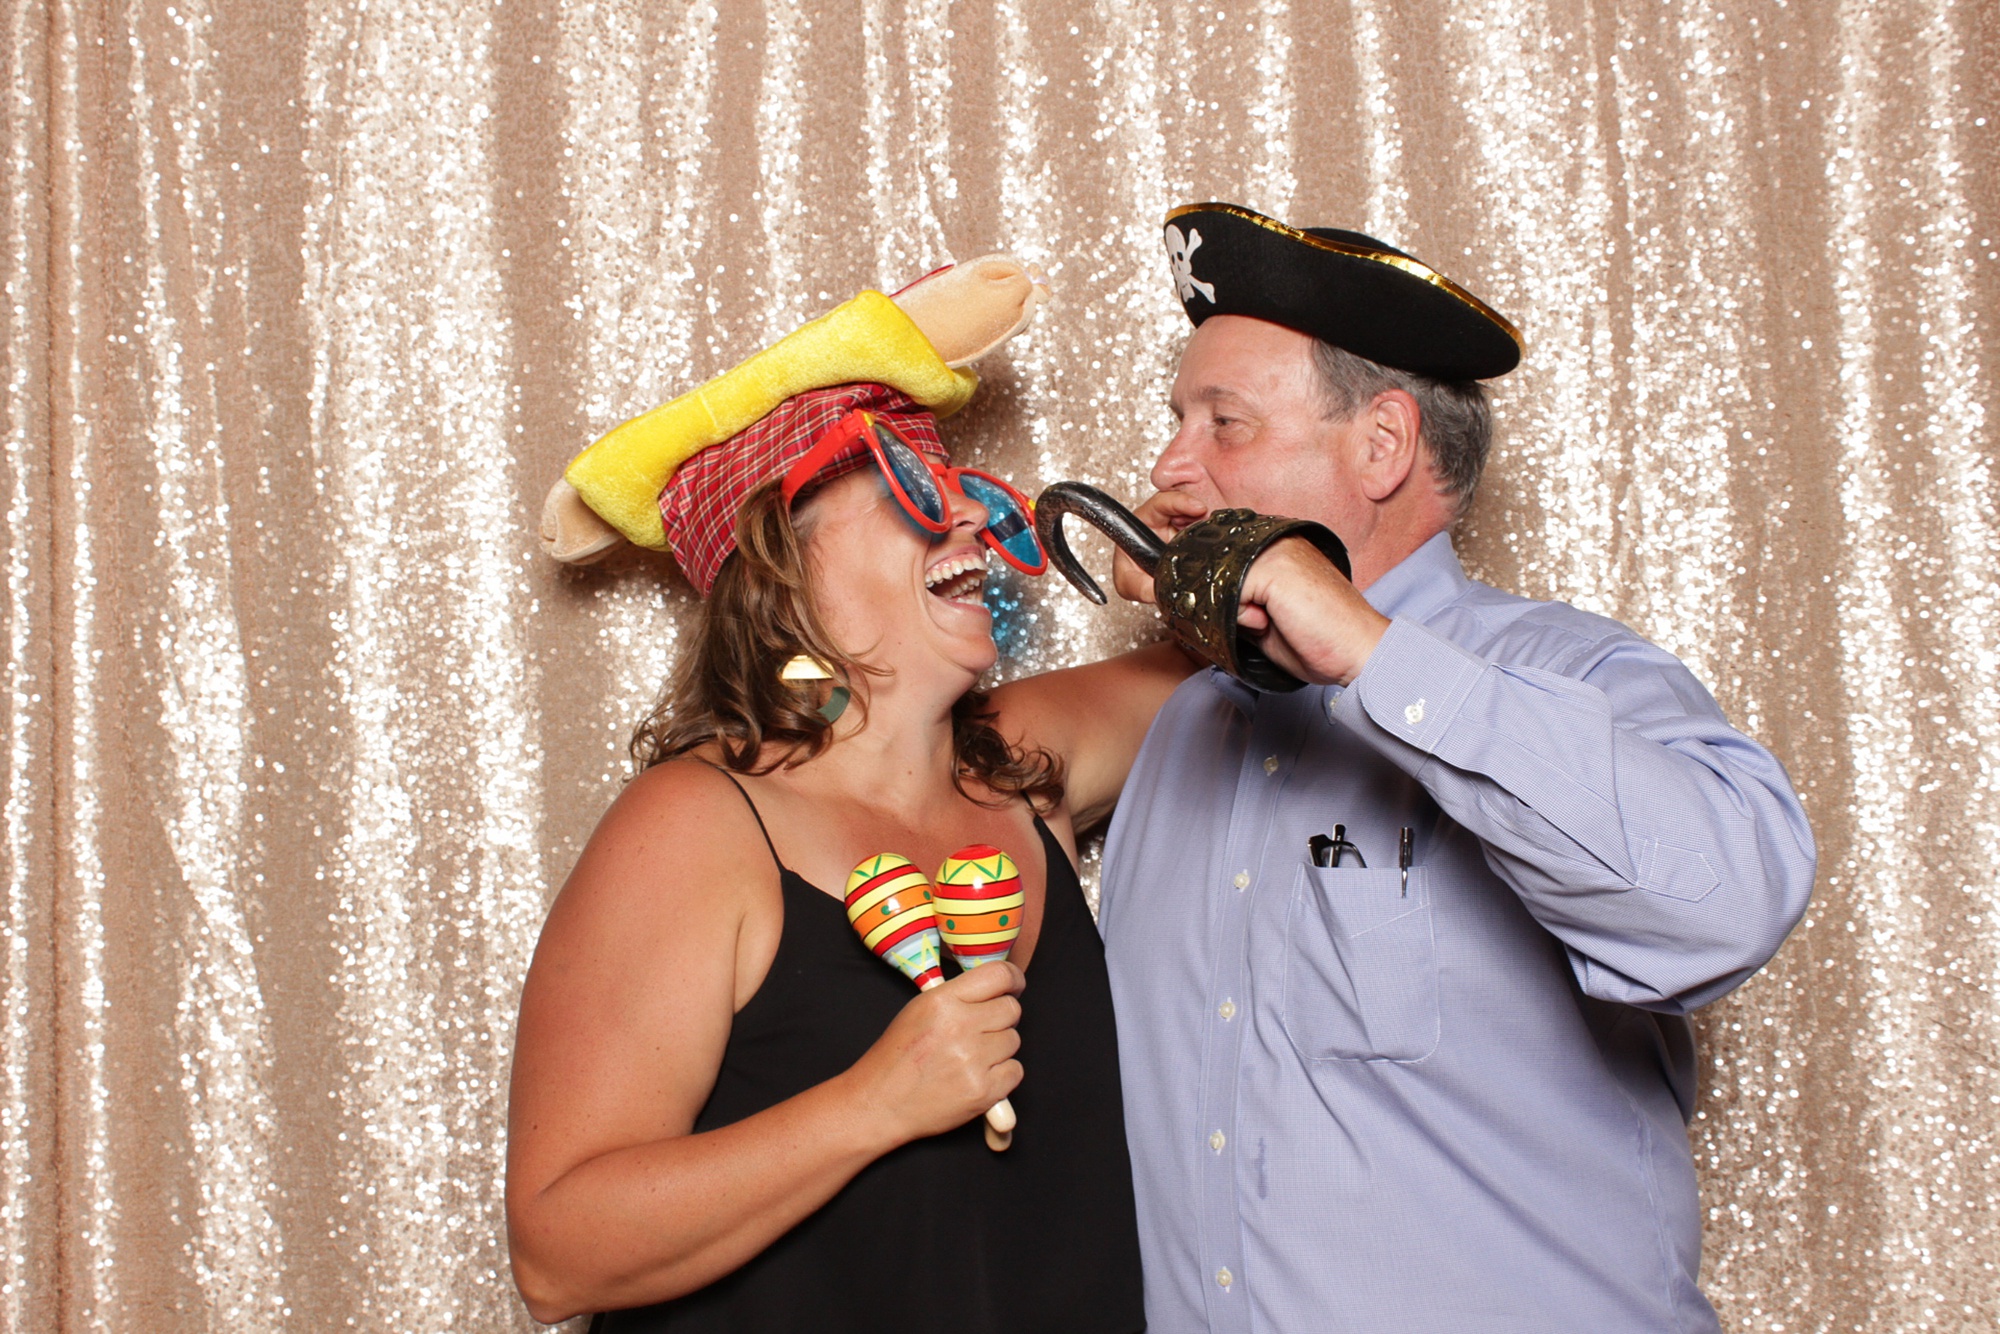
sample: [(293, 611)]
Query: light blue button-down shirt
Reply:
[(1457, 1104)]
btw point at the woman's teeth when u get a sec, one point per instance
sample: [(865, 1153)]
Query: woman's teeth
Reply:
[(960, 579)]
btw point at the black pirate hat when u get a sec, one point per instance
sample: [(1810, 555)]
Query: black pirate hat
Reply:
[(1342, 287)]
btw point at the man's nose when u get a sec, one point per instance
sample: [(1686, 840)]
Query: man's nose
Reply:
[(1177, 465)]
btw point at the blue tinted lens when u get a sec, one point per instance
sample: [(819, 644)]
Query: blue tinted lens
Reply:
[(912, 474), (1006, 522)]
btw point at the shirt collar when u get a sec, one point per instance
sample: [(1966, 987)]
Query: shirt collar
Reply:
[(1419, 585), (1233, 690)]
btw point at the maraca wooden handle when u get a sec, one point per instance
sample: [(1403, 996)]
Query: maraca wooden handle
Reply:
[(1000, 1118)]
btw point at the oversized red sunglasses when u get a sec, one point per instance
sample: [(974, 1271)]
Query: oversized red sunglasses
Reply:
[(918, 484)]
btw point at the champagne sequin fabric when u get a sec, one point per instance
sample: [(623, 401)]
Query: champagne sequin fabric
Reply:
[(306, 304)]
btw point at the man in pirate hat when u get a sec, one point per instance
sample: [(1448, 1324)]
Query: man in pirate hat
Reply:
[(1403, 959)]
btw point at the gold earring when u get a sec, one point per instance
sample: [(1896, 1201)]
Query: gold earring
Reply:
[(805, 667)]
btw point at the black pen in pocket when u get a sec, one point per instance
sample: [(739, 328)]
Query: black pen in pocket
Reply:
[(1327, 852), (1403, 844)]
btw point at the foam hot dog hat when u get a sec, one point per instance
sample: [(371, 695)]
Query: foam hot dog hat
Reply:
[(670, 479)]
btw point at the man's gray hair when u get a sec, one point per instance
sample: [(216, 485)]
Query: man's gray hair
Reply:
[(1456, 424)]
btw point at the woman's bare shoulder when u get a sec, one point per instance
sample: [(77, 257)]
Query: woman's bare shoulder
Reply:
[(653, 924), (627, 1005), (677, 828), (676, 793)]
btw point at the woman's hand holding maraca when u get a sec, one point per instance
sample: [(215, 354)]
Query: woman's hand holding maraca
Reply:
[(948, 1056)]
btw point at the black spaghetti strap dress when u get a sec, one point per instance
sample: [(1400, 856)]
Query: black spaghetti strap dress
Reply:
[(943, 1233)]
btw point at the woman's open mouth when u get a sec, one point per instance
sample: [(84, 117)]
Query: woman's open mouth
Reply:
[(960, 579)]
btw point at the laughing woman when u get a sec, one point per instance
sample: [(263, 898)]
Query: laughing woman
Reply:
[(727, 1114)]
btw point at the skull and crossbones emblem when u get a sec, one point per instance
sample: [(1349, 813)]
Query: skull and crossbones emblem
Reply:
[(1180, 253)]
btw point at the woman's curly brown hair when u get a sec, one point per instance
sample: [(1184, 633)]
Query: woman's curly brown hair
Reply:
[(725, 689)]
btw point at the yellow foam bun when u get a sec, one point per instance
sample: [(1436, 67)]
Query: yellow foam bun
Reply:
[(866, 339)]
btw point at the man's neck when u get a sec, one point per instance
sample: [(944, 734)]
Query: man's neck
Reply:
[(1388, 546)]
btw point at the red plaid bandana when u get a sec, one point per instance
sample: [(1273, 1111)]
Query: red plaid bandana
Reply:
[(700, 503)]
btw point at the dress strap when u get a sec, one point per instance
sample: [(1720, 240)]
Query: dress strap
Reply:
[(1050, 841), (754, 814)]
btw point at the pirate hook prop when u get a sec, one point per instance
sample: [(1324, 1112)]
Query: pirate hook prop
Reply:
[(1197, 578)]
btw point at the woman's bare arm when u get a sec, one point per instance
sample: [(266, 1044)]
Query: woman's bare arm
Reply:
[(1093, 718), (656, 940)]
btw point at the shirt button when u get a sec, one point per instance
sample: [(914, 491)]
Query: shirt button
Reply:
[(1216, 1141), (1227, 1009), (1224, 1278), (1243, 880), (1414, 714), (1270, 764)]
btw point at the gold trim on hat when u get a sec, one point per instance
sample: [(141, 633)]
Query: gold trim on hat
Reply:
[(1415, 268)]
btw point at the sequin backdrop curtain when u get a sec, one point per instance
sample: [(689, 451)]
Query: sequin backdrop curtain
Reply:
[(306, 304)]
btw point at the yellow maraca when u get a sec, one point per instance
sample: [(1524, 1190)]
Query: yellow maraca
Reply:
[(978, 900), (889, 906)]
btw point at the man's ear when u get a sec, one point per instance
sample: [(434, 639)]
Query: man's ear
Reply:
[(1389, 441)]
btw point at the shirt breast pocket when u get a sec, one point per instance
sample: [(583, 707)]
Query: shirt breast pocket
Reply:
[(1361, 980)]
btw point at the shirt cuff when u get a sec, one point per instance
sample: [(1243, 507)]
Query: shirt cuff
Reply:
[(1412, 688)]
